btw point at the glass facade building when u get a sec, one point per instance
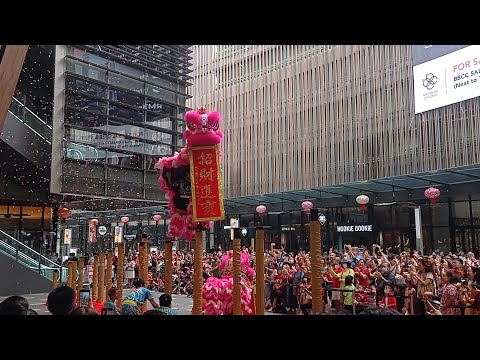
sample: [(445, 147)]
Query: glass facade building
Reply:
[(122, 110)]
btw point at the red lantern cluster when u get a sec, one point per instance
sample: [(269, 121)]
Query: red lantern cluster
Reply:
[(63, 213), (307, 206), (363, 200), (261, 210), (157, 218), (432, 193)]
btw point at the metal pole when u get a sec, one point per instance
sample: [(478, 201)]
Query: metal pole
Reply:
[(260, 271), (197, 275), (156, 233), (237, 250)]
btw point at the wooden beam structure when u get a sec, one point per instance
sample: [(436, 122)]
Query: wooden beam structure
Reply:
[(11, 62)]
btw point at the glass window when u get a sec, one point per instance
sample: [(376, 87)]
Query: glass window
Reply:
[(125, 129), (126, 144), (160, 81), (83, 103), (90, 137), (126, 98), (159, 150), (440, 214), (126, 113), (158, 136), (160, 108), (127, 83), (126, 69), (461, 213), (180, 126), (83, 152), (86, 87), (160, 121), (126, 160), (180, 141), (85, 119), (161, 94), (87, 70), (84, 55), (441, 239), (151, 161), (476, 212)]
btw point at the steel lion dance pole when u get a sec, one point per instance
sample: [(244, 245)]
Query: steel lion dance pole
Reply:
[(193, 182)]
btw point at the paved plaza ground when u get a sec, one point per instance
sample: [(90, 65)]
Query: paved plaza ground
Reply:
[(181, 303)]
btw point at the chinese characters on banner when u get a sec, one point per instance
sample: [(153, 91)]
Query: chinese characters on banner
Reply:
[(207, 194), (67, 236), (118, 234), (92, 231)]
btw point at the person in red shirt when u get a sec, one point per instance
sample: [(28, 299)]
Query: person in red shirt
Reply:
[(362, 273), (361, 298), (337, 296), (388, 301)]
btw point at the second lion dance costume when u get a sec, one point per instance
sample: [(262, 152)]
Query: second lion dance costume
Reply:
[(217, 293)]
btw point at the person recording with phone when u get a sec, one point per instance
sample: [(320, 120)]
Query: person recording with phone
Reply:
[(346, 271)]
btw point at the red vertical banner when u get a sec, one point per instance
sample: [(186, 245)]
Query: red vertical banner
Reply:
[(206, 179), (92, 231)]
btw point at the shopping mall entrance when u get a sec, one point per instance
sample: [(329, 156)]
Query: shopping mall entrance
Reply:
[(29, 224)]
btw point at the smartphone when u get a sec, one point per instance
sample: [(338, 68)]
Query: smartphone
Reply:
[(84, 297), (108, 311)]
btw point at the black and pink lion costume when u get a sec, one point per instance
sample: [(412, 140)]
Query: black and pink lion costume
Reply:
[(203, 129)]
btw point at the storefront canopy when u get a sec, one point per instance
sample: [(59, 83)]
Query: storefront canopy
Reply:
[(398, 188)]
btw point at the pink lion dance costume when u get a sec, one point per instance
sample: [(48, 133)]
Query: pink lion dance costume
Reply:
[(217, 293), (203, 129)]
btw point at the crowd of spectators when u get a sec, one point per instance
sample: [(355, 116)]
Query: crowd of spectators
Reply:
[(355, 281)]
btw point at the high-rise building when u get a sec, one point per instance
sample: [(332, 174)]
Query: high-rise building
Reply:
[(329, 123), (117, 110)]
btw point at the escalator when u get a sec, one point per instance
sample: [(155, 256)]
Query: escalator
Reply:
[(27, 134), (24, 270)]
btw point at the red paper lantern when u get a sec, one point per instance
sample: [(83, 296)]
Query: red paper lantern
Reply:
[(432, 193), (124, 220), (363, 200), (307, 206), (94, 221), (261, 210), (157, 218), (64, 213)]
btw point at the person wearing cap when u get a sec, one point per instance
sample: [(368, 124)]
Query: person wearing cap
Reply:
[(347, 271)]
